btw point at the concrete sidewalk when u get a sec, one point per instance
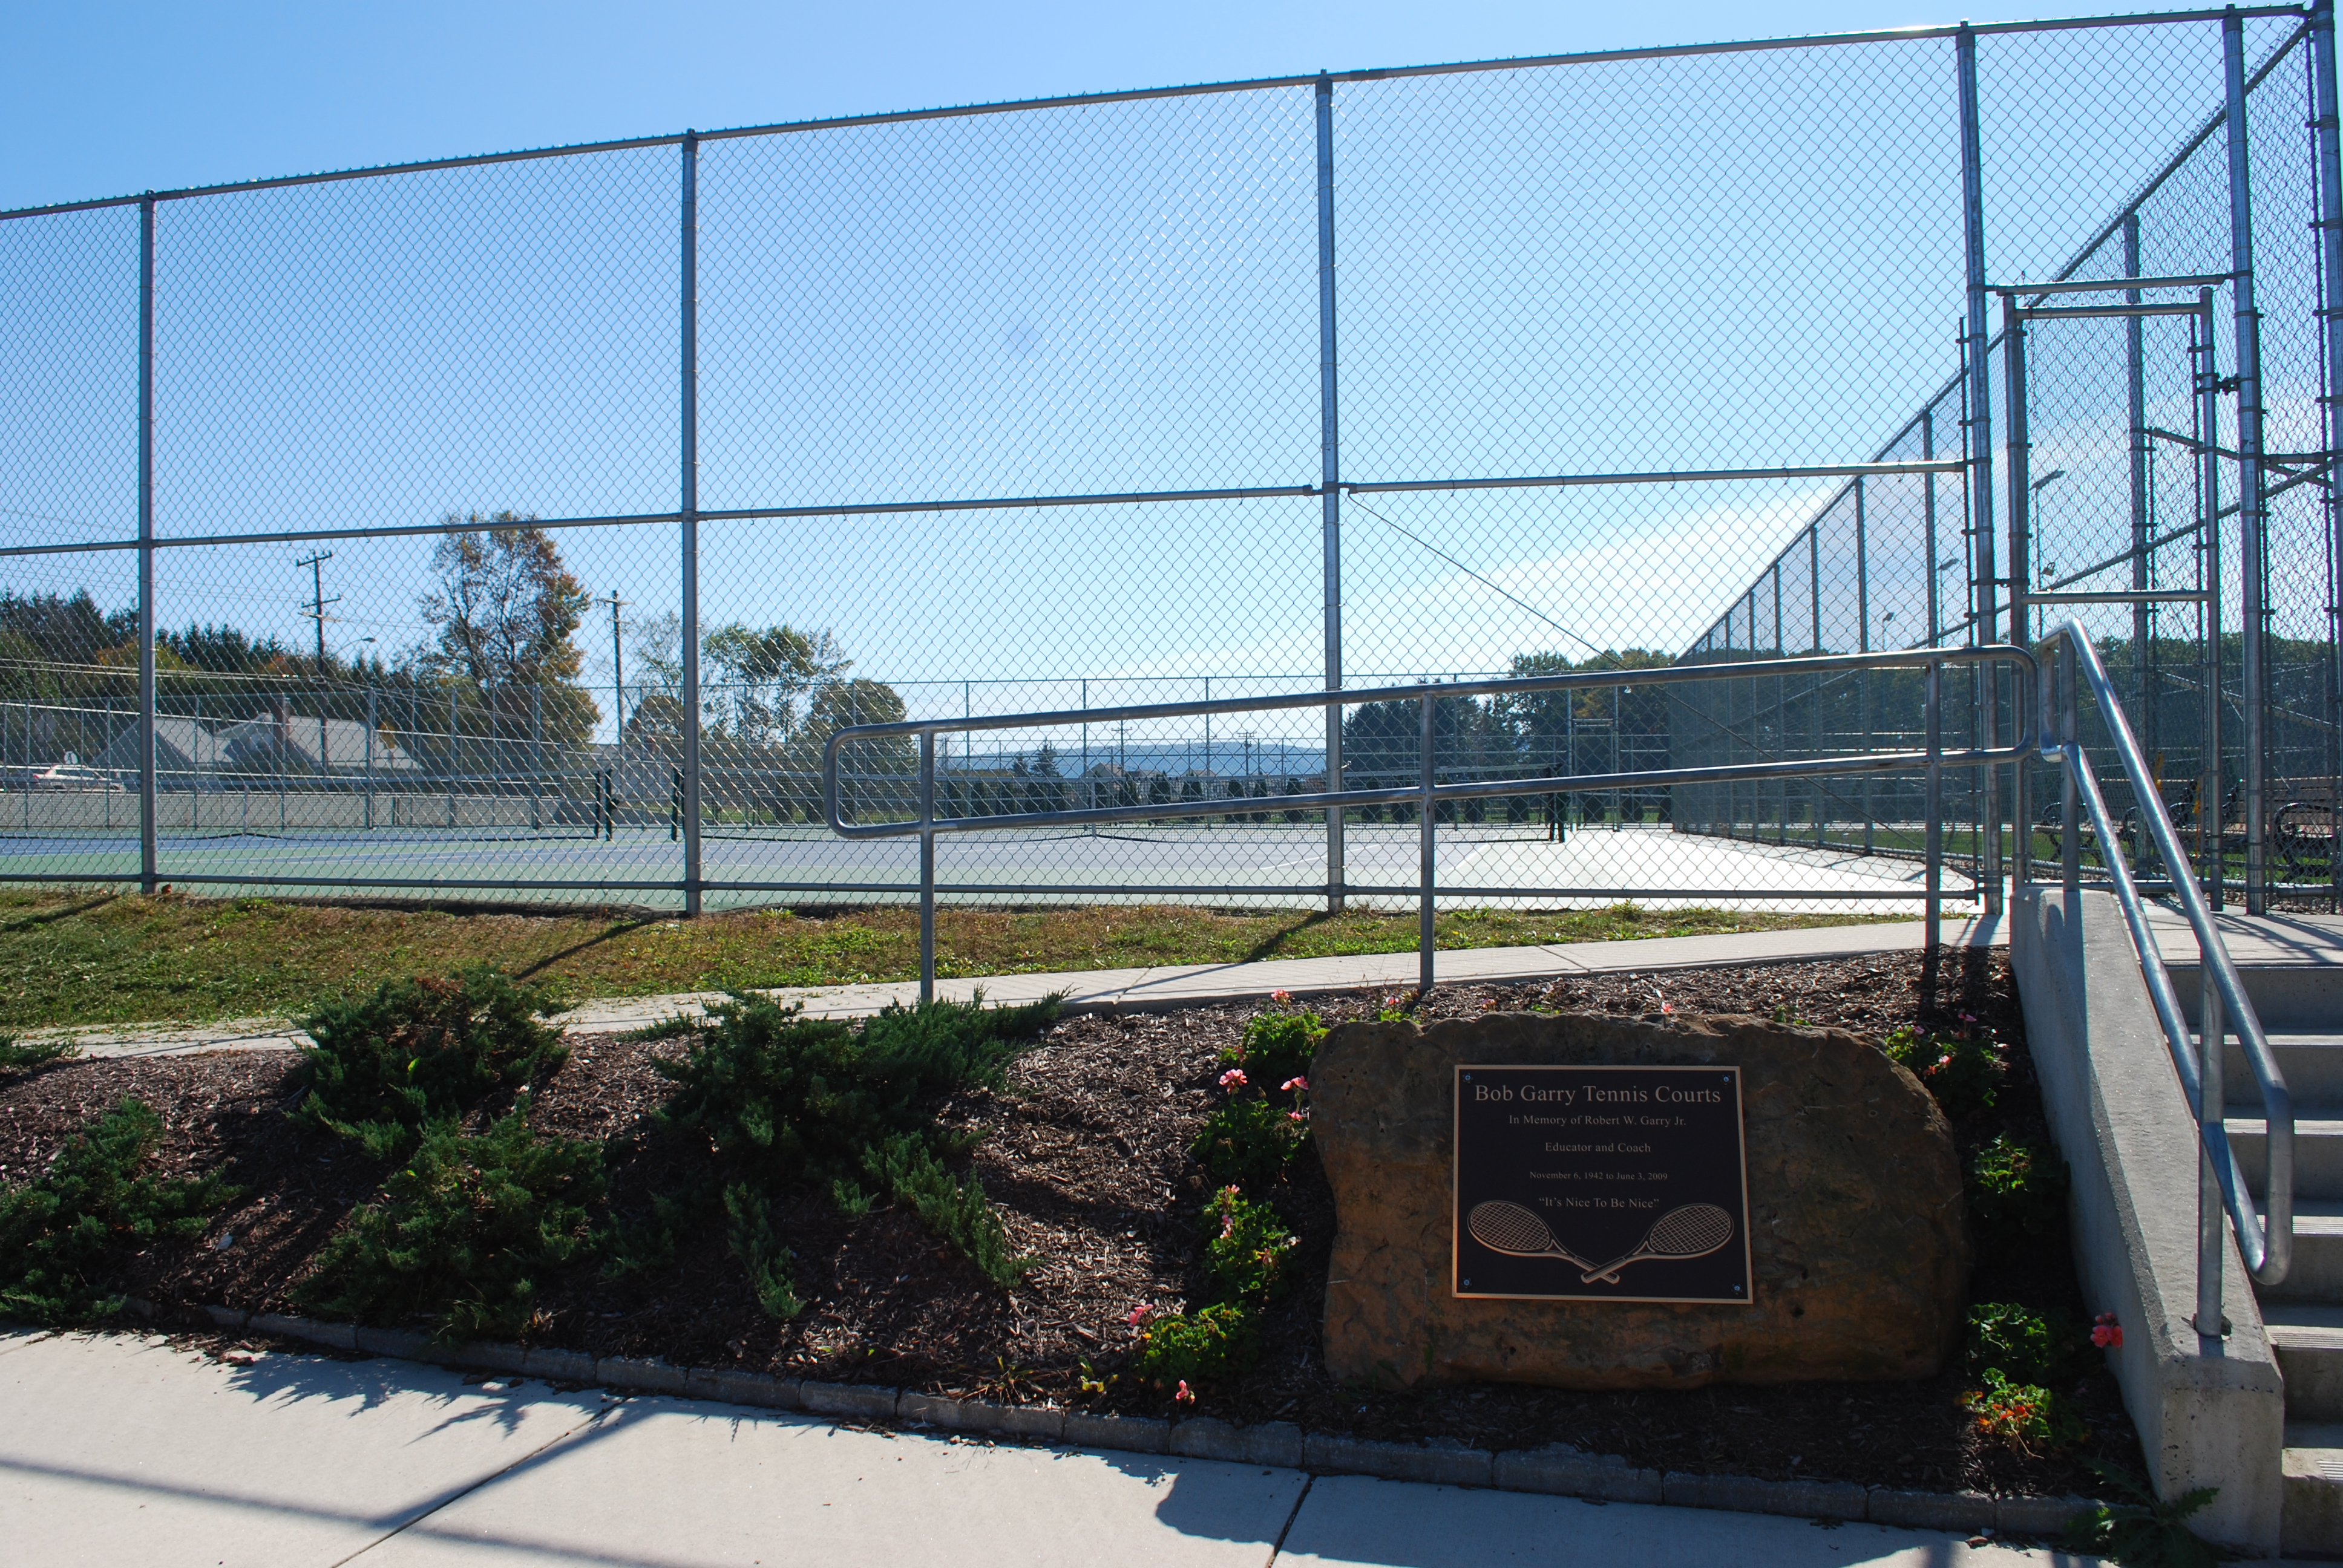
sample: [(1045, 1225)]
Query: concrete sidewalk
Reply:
[(123, 1449), (1164, 986)]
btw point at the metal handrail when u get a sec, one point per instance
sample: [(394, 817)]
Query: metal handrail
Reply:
[(1428, 792), (2266, 1242)]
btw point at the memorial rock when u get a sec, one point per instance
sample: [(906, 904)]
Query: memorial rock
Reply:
[(1857, 1252)]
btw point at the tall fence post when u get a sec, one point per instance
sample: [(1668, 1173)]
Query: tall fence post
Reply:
[(2135, 400), (2019, 440), (1330, 475), (2208, 503), (2252, 518), (1427, 865), (1980, 442), (690, 392), (927, 866), (372, 728), (1863, 645), (2328, 137), (2070, 815), (147, 826), (1815, 684), (1933, 811)]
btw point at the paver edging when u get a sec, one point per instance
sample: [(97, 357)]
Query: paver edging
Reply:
[(1555, 1470)]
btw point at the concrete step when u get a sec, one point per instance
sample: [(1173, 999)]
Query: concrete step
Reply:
[(2317, 1272), (2311, 1064), (2318, 1151), (2312, 1523), (2308, 1338), (2307, 996), (2292, 965)]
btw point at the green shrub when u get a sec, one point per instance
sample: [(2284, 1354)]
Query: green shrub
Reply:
[(787, 1102), (461, 1235), (2024, 1345), (65, 1234), (1247, 1249), (2017, 1194), (1211, 1342), (749, 1233), (422, 1049), (1963, 1074), (955, 1210), (1276, 1047), (15, 1057)]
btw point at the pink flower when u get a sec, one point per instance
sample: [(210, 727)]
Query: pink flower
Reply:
[(1230, 1191), (1185, 1395), (1969, 1017), (1295, 1116), (1290, 1084), (1137, 1315), (1667, 1007), (1282, 997), (2107, 1333), (1234, 1077)]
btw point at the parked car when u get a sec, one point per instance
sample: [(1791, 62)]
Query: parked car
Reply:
[(75, 776)]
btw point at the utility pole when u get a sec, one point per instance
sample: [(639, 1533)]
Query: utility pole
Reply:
[(618, 664), (317, 608)]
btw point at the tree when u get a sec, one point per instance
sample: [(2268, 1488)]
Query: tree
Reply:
[(765, 672), (508, 611), (1382, 744)]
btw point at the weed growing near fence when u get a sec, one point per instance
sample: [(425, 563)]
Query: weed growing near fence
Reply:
[(2144, 1533), (422, 1049), (463, 1233), (65, 1235)]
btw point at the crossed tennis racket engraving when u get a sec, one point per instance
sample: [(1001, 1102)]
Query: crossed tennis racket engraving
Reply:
[(1694, 1231)]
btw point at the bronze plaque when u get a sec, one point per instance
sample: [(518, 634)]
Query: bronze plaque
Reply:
[(1600, 1184)]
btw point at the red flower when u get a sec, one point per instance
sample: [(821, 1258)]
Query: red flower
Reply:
[(1185, 1395), (2107, 1333)]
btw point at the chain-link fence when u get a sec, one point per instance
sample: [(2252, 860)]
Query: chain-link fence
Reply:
[(529, 522)]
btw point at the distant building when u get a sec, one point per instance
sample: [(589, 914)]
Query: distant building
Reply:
[(186, 753), (189, 755), (277, 743)]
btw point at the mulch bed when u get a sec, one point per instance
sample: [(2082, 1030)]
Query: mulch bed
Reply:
[(1086, 1157)]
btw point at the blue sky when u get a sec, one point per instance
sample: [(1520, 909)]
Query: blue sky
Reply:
[(1734, 261), (114, 99)]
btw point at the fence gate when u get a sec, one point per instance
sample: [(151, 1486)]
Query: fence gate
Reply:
[(2115, 478)]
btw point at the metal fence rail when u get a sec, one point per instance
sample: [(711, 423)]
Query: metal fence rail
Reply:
[(1429, 790), (533, 521)]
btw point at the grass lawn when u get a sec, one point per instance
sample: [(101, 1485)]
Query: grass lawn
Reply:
[(102, 958)]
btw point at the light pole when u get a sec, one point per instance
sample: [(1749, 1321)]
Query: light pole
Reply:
[(2034, 527)]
